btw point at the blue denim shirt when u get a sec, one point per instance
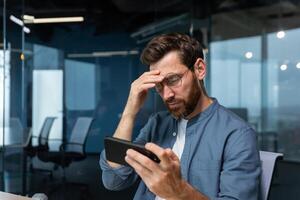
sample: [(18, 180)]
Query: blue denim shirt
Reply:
[(220, 157)]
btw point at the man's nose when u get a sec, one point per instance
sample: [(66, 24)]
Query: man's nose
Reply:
[(167, 92)]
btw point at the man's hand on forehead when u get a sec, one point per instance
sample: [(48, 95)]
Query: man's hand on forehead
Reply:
[(155, 71)]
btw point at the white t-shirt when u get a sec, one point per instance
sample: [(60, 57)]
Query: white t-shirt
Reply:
[(179, 143)]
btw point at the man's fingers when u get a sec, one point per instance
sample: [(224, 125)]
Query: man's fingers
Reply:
[(151, 72), (144, 161), (172, 155), (157, 150), (141, 164), (140, 170), (165, 155), (146, 82), (152, 79), (146, 86)]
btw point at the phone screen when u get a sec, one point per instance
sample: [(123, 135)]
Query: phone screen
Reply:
[(115, 150)]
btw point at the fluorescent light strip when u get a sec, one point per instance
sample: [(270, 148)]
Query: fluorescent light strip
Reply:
[(103, 54), (16, 20), (28, 17), (53, 20), (26, 30), (20, 23), (114, 53)]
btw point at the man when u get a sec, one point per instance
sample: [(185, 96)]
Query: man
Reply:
[(206, 151)]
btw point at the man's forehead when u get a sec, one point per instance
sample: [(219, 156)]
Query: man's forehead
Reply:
[(166, 70), (170, 62)]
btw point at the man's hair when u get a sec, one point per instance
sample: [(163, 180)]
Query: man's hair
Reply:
[(188, 48)]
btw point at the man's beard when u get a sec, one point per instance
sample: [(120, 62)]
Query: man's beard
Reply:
[(189, 105)]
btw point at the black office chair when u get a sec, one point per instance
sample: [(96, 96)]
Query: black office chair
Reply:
[(31, 150), (73, 150), (241, 112)]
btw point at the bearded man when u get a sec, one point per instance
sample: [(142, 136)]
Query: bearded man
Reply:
[(206, 151)]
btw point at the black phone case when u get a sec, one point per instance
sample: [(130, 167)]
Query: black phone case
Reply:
[(115, 150)]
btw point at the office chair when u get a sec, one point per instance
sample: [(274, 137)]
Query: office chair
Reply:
[(241, 112), (73, 150), (27, 148), (31, 150), (268, 162)]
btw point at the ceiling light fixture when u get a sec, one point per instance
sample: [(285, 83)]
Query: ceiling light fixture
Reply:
[(249, 55), (20, 23), (298, 65), (103, 54), (280, 34), (32, 20), (28, 17), (283, 67)]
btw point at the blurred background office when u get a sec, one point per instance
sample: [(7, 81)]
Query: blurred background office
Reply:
[(68, 79)]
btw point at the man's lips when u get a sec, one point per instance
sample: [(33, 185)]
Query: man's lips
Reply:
[(173, 104)]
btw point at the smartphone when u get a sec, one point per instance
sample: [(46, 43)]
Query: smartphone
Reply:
[(116, 148)]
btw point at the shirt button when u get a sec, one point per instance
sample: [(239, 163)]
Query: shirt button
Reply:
[(174, 134)]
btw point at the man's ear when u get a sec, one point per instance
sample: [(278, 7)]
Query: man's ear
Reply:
[(200, 68)]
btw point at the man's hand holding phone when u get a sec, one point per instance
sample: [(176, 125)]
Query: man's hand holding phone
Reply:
[(164, 178), (116, 149)]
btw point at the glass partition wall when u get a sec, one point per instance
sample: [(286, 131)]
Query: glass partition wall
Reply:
[(255, 72), (14, 129)]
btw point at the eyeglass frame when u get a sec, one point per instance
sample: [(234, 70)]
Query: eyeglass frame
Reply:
[(169, 85)]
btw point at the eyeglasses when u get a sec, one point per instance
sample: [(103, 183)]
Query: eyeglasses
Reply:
[(172, 80)]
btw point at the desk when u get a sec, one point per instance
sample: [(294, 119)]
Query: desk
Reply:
[(8, 196)]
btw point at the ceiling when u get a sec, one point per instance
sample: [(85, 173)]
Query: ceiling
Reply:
[(126, 15), (110, 15), (107, 15)]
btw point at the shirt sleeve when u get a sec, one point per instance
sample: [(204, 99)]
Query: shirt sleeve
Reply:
[(239, 177), (116, 178), (145, 133), (123, 176)]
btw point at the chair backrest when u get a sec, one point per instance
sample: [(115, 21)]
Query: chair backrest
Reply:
[(268, 161), (79, 135), (241, 112), (45, 131)]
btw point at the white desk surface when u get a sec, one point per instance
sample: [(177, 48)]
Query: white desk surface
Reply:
[(8, 196)]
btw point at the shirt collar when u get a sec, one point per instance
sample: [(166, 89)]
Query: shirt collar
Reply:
[(204, 114)]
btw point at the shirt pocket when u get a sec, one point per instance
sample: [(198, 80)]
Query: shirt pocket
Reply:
[(204, 175), (206, 164)]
